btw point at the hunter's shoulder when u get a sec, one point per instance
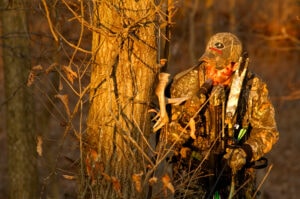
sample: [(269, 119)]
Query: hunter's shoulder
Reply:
[(186, 74), (255, 79), (257, 84), (185, 83)]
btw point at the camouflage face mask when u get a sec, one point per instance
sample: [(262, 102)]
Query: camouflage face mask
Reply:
[(222, 49)]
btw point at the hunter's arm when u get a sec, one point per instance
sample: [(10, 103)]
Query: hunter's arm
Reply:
[(261, 116)]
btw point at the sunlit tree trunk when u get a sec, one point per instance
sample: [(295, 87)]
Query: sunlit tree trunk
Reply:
[(122, 80), (20, 112)]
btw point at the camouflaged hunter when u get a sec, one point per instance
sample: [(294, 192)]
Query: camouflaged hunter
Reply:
[(218, 128)]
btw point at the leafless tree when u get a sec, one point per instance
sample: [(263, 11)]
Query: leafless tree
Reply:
[(20, 112)]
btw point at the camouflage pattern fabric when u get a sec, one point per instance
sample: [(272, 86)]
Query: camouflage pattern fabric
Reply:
[(223, 48), (192, 156), (261, 116)]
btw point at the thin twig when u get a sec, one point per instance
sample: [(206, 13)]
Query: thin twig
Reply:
[(263, 180), (49, 21)]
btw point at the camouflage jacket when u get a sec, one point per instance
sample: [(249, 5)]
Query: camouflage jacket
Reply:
[(255, 111)]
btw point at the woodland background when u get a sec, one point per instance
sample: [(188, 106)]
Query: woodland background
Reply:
[(270, 31)]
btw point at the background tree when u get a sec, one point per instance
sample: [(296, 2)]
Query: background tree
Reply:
[(20, 110)]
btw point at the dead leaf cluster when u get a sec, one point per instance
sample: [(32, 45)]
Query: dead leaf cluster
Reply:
[(65, 100), (166, 181), (39, 146), (35, 70), (95, 168), (70, 74)]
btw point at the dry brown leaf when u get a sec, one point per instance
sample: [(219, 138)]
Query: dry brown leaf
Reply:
[(184, 152), (106, 177), (137, 179), (30, 78), (33, 73), (192, 125), (39, 148), (70, 74), (149, 166), (69, 177), (152, 180), (116, 185), (94, 155), (167, 183), (163, 62), (37, 68), (65, 100), (51, 68)]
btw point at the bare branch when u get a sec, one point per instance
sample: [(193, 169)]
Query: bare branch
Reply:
[(49, 21)]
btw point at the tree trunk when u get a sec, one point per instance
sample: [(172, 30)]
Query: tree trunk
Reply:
[(20, 113), (122, 82), (192, 31), (209, 19), (232, 16)]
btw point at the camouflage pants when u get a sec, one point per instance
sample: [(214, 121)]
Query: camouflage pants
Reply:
[(195, 180)]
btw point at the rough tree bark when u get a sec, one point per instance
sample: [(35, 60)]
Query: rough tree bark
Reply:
[(122, 82), (19, 114)]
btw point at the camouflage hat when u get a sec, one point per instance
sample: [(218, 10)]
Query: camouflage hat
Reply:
[(222, 48)]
